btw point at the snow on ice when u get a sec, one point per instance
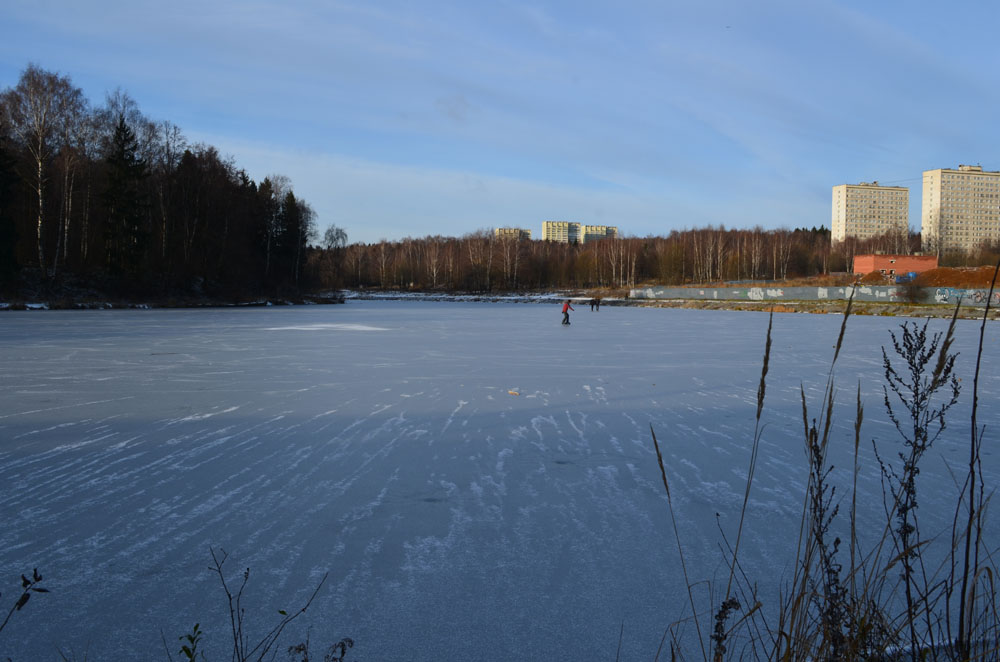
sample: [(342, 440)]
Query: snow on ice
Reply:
[(381, 442)]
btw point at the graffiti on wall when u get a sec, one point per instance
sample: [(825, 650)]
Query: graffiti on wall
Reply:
[(953, 294), (941, 295), (760, 293)]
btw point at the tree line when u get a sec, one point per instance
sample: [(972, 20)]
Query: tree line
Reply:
[(108, 195), (483, 262)]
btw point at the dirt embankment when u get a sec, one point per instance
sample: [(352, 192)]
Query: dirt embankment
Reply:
[(969, 278), (962, 277)]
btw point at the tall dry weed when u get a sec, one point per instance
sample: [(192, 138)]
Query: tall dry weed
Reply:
[(888, 602)]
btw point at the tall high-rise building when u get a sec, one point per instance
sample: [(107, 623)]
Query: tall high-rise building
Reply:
[(867, 210), (960, 209), (576, 233)]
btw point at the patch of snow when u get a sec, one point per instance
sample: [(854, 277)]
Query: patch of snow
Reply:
[(331, 326)]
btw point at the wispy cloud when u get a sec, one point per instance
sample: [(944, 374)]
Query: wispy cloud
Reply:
[(374, 200), (394, 118)]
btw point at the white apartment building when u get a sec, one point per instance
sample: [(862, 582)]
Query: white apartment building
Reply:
[(595, 232), (512, 233), (576, 233), (562, 231), (960, 209), (867, 210)]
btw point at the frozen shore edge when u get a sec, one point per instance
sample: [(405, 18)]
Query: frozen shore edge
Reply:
[(551, 298)]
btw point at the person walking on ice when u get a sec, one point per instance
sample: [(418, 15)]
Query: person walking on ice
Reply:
[(566, 309)]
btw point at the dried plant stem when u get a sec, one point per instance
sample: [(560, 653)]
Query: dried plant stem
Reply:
[(242, 652), (795, 618), (755, 447), (677, 537), (859, 417), (974, 514)]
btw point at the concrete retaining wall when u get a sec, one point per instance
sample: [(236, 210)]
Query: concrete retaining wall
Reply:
[(881, 293)]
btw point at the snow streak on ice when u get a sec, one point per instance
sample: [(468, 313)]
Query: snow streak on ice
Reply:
[(478, 480)]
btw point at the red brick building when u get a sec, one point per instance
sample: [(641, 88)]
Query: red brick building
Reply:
[(894, 265)]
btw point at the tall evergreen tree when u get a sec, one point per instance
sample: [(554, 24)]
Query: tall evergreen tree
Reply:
[(126, 204), (288, 239), (268, 223)]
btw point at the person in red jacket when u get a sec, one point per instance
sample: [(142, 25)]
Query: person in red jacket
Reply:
[(566, 309)]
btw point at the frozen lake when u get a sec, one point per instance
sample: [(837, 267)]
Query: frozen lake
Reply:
[(478, 480)]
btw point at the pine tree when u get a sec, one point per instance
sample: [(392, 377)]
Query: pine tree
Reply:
[(126, 233)]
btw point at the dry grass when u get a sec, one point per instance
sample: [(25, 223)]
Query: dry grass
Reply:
[(884, 601)]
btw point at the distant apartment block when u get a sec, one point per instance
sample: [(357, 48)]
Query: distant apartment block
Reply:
[(512, 233), (576, 233), (561, 231), (894, 265), (867, 210), (595, 232), (960, 209)]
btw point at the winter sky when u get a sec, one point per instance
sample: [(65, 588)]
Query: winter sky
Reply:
[(397, 119)]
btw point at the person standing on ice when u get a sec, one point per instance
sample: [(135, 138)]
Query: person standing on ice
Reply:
[(566, 309)]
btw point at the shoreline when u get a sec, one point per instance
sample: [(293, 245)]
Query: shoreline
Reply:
[(919, 310), (551, 298)]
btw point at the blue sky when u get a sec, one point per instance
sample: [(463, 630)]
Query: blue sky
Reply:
[(397, 119)]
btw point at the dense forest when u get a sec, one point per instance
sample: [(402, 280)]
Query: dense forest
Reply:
[(105, 195), (107, 198)]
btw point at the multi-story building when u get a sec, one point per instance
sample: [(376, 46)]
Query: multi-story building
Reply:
[(595, 232), (576, 233), (562, 231), (867, 210), (960, 209), (512, 233)]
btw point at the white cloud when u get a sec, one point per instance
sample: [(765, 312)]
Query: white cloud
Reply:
[(374, 200), (395, 119)]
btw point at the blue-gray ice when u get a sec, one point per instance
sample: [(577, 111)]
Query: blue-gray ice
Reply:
[(478, 480)]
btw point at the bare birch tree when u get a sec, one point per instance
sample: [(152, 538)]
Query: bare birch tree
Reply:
[(72, 129), (36, 110), (756, 253), (171, 146)]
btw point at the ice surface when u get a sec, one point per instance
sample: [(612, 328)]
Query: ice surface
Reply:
[(478, 479)]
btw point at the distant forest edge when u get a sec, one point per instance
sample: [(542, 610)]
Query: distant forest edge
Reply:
[(105, 199)]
